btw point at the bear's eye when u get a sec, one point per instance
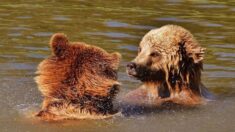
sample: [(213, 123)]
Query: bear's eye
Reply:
[(139, 49), (155, 54)]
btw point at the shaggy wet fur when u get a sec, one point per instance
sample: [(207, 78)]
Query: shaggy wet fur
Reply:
[(169, 63), (77, 81)]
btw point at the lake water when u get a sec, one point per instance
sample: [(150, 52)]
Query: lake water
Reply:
[(25, 29)]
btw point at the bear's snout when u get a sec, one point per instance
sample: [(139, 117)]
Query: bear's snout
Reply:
[(131, 69)]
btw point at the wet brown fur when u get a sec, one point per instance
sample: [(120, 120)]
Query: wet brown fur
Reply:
[(169, 64), (77, 81)]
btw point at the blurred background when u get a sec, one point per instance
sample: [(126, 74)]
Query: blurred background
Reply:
[(26, 27)]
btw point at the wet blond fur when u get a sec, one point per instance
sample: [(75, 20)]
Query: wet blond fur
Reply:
[(179, 60)]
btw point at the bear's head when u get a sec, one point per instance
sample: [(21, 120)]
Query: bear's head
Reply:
[(168, 54), (78, 75)]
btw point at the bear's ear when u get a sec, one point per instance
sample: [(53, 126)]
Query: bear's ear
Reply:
[(115, 60), (58, 44), (191, 50), (198, 54)]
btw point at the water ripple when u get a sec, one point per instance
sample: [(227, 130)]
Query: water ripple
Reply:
[(126, 25), (184, 20), (112, 34), (43, 34)]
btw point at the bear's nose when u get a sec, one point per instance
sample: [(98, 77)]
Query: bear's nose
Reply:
[(131, 65)]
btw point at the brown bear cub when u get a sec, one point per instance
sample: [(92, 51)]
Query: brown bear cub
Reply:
[(169, 63), (77, 81)]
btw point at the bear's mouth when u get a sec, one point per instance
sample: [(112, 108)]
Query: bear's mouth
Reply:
[(136, 71), (131, 69), (144, 73), (132, 72)]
